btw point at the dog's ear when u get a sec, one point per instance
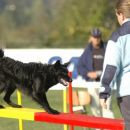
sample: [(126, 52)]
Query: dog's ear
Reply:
[(57, 63), (67, 64)]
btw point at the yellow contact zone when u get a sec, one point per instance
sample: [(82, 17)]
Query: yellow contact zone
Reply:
[(19, 113)]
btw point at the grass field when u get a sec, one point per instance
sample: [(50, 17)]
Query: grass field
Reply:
[(56, 101)]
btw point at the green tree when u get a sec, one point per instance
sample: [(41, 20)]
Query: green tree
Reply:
[(54, 23)]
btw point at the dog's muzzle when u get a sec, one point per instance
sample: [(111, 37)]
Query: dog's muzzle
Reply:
[(64, 82), (70, 80)]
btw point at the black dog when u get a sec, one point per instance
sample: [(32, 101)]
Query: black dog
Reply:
[(33, 79)]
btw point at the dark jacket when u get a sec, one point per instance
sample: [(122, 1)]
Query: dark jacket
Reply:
[(85, 63)]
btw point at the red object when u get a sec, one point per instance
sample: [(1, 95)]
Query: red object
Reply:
[(80, 120), (70, 99), (70, 95)]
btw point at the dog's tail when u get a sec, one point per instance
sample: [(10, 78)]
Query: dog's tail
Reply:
[(1, 53)]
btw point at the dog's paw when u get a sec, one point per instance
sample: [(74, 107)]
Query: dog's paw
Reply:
[(1, 107), (14, 105), (54, 112), (18, 106)]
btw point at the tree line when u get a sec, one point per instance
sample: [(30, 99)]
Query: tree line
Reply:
[(54, 23)]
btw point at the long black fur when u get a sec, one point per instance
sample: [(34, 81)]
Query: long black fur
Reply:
[(33, 79)]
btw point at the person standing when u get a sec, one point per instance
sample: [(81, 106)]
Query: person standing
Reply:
[(117, 63), (90, 67)]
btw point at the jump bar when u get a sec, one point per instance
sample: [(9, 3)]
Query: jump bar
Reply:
[(80, 120)]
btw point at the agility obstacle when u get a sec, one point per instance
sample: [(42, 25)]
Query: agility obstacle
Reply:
[(80, 120), (63, 118)]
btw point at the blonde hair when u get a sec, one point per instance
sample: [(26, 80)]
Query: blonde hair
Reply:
[(123, 6)]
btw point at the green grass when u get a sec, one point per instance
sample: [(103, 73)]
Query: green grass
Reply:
[(56, 101)]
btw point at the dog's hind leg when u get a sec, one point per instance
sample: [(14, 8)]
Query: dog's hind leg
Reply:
[(7, 96), (1, 90), (1, 106)]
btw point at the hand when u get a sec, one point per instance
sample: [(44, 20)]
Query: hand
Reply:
[(92, 75), (103, 103)]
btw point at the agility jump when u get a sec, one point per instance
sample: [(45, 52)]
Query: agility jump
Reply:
[(63, 118)]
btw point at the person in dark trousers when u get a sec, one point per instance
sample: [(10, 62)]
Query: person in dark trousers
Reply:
[(117, 63), (90, 67)]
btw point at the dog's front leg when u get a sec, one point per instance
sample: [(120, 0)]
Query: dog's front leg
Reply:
[(39, 95), (46, 104), (42, 100)]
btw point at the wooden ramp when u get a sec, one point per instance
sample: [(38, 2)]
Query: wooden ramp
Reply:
[(63, 118)]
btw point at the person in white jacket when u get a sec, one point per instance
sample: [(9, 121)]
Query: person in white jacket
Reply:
[(117, 63)]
